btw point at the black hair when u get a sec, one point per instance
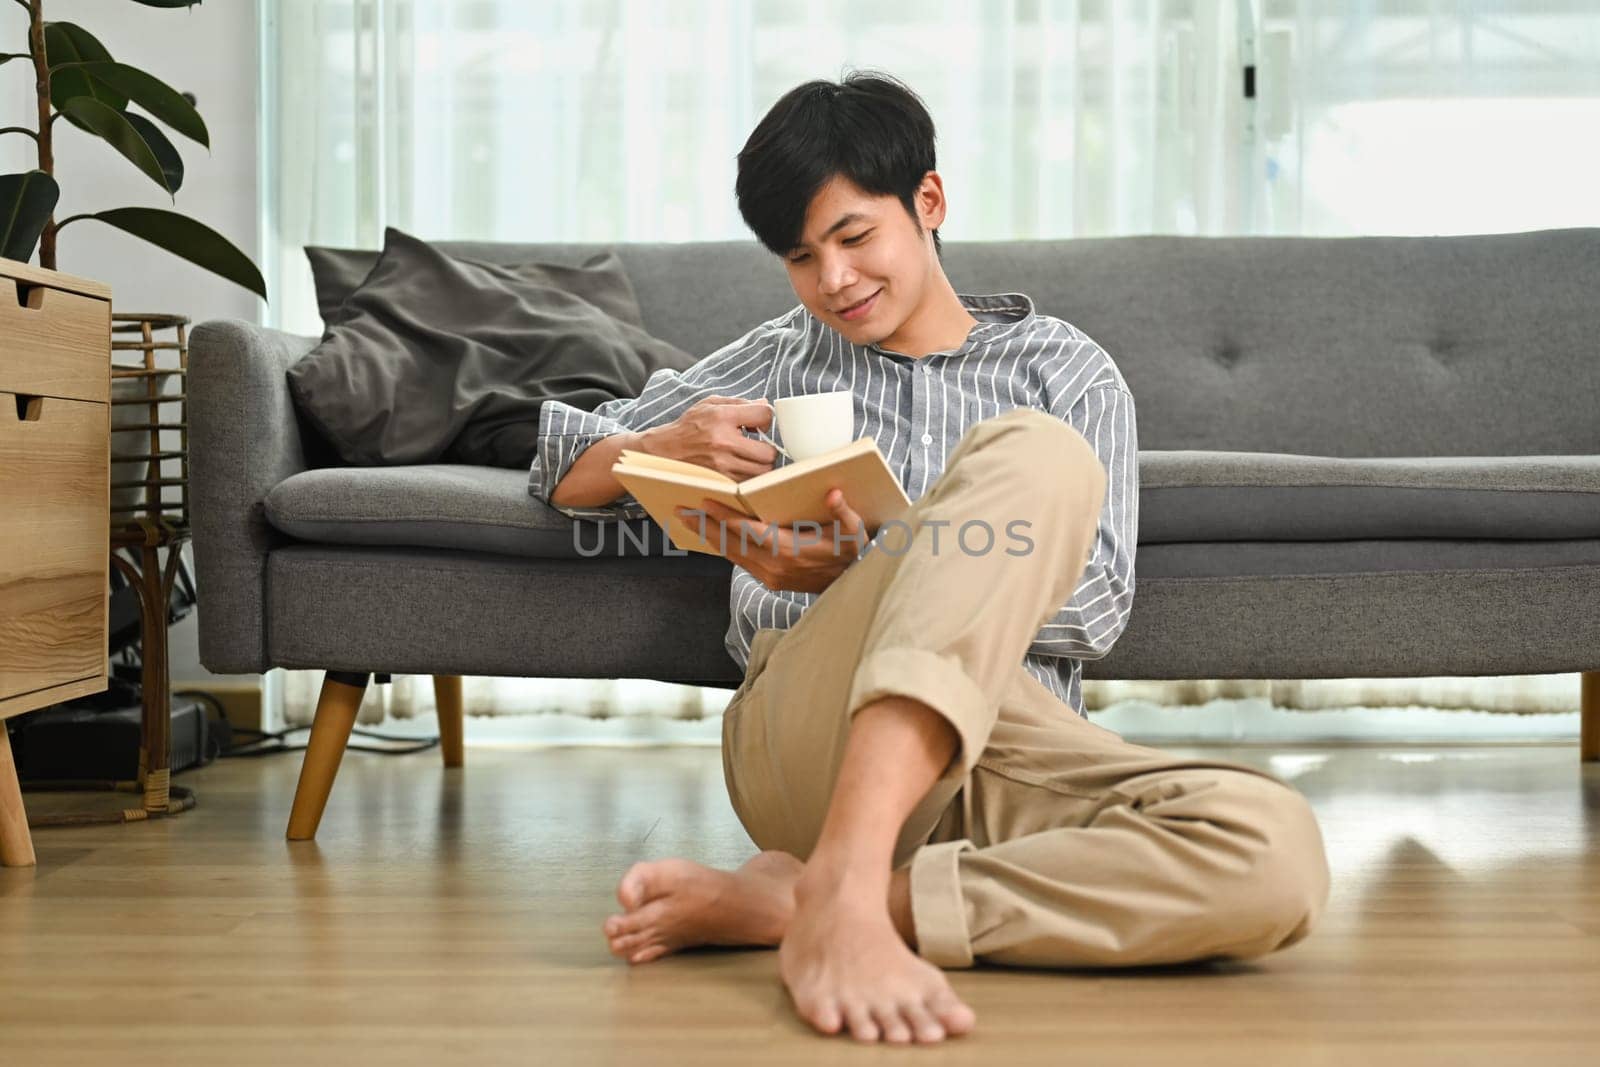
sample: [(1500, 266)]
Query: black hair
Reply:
[(870, 128)]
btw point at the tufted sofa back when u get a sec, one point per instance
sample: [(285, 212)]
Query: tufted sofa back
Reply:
[(1355, 346)]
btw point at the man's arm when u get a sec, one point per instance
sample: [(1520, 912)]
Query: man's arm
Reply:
[(709, 434), (590, 441), (1090, 623), (589, 483)]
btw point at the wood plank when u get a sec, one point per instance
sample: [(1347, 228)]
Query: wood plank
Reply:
[(55, 694), (54, 524), (444, 916), (54, 343), (27, 272)]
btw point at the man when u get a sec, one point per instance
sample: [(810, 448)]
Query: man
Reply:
[(909, 746)]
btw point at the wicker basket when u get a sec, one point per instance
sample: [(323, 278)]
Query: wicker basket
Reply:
[(149, 424)]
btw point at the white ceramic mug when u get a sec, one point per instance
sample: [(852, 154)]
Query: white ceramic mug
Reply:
[(815, 423)]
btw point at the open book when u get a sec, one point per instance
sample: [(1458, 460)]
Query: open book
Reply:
[(793, 493)]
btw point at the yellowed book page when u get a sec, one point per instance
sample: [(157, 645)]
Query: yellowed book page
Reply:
[(661, 493), (799, 491), (662, 463)]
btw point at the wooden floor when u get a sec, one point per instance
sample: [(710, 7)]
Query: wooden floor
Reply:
[(454, 917)]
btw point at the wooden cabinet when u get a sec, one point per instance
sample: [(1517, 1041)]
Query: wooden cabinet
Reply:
[(55, 477)]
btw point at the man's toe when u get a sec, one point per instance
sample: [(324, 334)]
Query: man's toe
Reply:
[(923, 1025), (955, 1016), (891, 1024), (632, 889), (822, 1013), (648, 953), (859, 1018)]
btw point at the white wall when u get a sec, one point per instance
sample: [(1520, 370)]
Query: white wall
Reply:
[(210, 51)]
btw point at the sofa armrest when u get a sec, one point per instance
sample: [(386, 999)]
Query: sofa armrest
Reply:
[(244, 438)]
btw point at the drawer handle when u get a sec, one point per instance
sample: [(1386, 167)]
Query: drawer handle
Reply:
[(30, 296), (29, 408)]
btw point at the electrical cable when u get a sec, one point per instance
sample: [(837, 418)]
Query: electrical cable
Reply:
[(271, 742)]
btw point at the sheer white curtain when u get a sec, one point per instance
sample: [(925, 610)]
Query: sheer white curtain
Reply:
[(1425, 118), (620, 120)]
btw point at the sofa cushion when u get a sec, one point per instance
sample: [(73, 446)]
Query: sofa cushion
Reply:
[(1183, 497), (1265, 496), (482, 509)]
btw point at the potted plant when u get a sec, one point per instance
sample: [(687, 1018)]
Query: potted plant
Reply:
[(76, 79)]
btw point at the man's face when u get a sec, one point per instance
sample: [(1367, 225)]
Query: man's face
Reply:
[(857, 247)]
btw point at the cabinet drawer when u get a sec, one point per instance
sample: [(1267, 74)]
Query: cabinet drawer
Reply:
[(54, 541), (54, 342)]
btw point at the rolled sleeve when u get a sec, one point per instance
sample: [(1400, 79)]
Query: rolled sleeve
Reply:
[(564, 433), (1090, 623)]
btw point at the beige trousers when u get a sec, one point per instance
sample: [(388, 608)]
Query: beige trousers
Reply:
[(1049, 840)]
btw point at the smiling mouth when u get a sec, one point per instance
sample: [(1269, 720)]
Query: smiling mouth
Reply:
[(856, 309)]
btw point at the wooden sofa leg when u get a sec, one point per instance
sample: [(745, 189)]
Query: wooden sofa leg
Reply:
[(452, 718), (330, 732), (1589, 719), (16, 846)]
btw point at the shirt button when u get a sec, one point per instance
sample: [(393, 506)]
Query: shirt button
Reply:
[(927, 438)]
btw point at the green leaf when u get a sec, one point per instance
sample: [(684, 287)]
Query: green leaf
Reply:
[(166, 154), (150, 93), (191, 240), (114, 128), (26, 201), (66, 42)]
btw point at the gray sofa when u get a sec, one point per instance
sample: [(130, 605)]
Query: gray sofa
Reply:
[(1360, 457)]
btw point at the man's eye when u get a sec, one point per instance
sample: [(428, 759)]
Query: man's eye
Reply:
[(802, 257)]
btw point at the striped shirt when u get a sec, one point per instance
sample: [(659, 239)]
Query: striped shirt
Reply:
[(917, 410)]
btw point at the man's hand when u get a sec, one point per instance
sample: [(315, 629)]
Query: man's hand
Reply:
[(709, 434), (804, 560)]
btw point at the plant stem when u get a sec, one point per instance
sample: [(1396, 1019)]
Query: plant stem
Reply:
[(20, 129), (47, 160)]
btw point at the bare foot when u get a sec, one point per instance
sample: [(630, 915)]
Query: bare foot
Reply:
[(675, 904), (847, 969)]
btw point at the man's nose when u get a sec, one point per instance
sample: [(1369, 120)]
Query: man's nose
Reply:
[(837, 277)]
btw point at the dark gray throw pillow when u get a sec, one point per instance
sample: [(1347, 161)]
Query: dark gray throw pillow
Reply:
[(443, 360), (601, 280)]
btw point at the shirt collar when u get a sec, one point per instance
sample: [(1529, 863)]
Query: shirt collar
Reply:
[(998, 315)]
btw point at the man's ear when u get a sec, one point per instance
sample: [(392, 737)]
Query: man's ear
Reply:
[(931, 206)]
